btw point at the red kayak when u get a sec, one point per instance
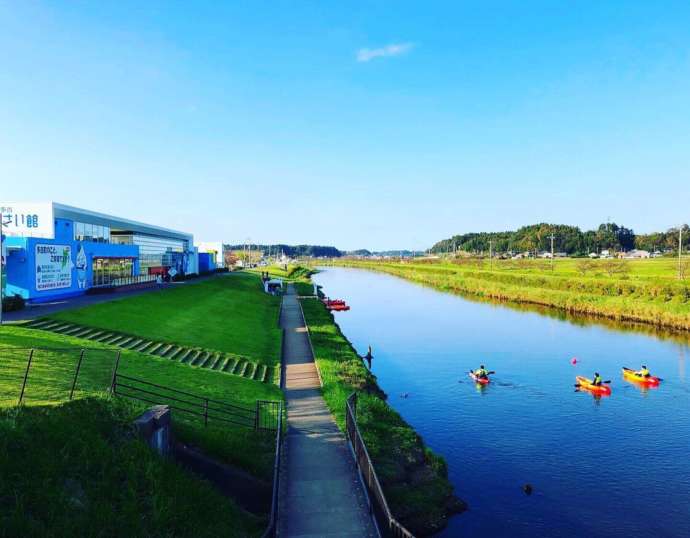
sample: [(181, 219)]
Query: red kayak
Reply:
[(481, 380)]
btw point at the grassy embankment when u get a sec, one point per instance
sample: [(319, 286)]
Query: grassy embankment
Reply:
[(413, 478), (226, 313), (77, 469), (297, 274), (227, 304), (643, 291)]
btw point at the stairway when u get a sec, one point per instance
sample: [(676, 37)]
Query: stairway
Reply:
[(195, 357)]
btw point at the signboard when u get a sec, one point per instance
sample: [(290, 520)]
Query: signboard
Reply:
[(53, 267), (25, 219)]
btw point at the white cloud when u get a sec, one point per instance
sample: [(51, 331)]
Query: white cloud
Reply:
[(394, 49)]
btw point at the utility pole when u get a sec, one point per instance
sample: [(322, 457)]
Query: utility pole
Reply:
[(680, 250), (491, 257), (552, 251)]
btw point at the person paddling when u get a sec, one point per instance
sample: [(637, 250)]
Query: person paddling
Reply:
[(481, 372), (597, 381), (643, 372)]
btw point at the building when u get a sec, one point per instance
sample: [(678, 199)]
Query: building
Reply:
[(211, 255), (637, 254), (55, 251)]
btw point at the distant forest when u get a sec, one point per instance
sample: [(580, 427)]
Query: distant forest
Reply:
[(293, 250), (568, 239)]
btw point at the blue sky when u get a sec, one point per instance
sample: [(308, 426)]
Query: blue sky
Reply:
[(361, 125)]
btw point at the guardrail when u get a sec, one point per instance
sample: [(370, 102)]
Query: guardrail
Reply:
[(273, 519), (378, 506), (264, 416)]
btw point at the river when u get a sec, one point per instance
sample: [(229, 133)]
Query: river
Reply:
[(615, 466)]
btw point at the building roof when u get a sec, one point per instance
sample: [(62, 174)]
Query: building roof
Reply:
[(63, 211)]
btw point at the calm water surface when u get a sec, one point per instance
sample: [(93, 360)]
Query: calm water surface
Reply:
[(616, 466)]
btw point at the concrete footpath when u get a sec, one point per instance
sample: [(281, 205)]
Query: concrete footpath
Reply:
[(320, 493)]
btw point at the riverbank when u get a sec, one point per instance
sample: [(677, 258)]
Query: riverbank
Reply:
[(627, 296), (414, 479)]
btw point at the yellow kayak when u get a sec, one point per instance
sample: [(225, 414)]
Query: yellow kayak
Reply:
[(632, 375), (587, 384)]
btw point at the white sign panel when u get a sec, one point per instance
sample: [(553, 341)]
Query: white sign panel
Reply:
[(53, 267), (24, 219)]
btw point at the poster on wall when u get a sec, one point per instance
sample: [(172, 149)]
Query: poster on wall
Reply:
[(24, 219), (53, 267), (82, 266)]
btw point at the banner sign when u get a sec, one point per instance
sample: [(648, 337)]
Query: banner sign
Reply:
[(24, 219), (53, 267)]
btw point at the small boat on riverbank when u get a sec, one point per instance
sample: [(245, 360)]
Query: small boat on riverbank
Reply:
[(335, 304)]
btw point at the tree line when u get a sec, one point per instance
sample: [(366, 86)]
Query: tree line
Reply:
[(567, 239), (292, 251)]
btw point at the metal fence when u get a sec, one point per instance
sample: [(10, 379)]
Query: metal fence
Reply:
[(47, 375), (43, 375), (378, 506), (106, 281), (277, 462), (264, 415)]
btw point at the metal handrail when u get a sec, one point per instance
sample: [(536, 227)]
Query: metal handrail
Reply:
[(210, 400), (391, 526), (273, 519), (234, 414)]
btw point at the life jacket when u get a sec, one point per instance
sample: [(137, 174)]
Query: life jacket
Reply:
[(597, 380), (644, 372)]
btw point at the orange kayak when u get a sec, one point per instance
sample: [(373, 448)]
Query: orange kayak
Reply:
[(588, 385), (482, 380), (633, 376)]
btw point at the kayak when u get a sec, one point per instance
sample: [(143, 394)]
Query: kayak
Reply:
[(588, 385), (633, 376), (481, 380)]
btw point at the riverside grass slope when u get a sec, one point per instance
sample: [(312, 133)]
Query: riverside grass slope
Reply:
[(77, 469), (644, 291), (225, 313), (196, 505), (414, 479), (49, 385)]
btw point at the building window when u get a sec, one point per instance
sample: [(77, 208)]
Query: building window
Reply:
[(112, 271), (91, 232)]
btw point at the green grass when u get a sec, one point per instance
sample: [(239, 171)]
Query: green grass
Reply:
[(293, 272), (228, 313), (52, 373), (77, 469), (644, 291), (413, 478)]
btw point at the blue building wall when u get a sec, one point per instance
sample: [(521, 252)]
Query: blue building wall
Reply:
[(21, 263), (206, 262)]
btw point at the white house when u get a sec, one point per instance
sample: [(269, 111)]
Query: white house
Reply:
[(637, 254)]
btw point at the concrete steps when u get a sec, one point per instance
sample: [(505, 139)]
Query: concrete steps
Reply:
[(198, 358)]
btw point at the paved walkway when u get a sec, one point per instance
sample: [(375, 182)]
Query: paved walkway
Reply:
[(321, 495)]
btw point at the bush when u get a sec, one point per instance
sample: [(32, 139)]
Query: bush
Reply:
[(13, 303)]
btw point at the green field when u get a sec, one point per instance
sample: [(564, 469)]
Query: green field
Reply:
[(646, 291), (228, 313), (77, 470), (413, 478)]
